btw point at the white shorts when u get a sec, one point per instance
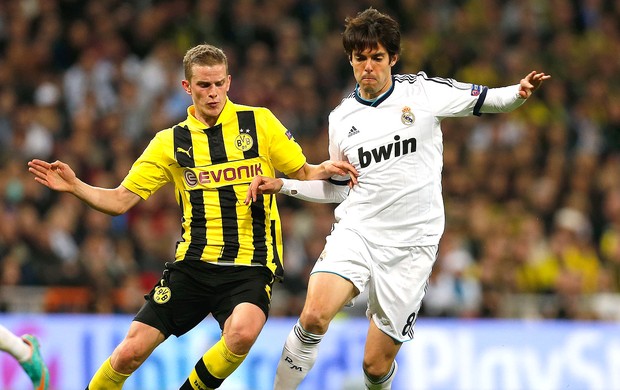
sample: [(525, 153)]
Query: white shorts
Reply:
[(396, 277)]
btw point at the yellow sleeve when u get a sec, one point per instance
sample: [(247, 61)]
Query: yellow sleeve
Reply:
[(149, 172), (285, 153)]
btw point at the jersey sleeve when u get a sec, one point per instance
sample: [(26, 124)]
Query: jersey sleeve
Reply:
[(450, 98), (148, 173), (319, 191), (285, 153)]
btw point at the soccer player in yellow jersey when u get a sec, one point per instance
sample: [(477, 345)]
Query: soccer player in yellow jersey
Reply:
[(230, 253)]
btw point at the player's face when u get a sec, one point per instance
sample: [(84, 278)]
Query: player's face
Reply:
[(208, 87), (372, 69)]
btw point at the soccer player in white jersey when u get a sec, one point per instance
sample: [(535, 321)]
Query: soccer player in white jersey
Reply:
[(388, 226), (27, 352)]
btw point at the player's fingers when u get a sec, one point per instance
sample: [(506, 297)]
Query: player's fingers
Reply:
[(248, 197), (35, 166), (39, 180), (349, 169), (36, 161), (37, 170), (36, 173), (352, 170), (252, 188), (55, 165)]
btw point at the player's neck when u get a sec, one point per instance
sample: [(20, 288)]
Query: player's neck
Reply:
[(369, 99)]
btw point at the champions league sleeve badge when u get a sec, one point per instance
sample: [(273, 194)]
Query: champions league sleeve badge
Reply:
[(407, 117)]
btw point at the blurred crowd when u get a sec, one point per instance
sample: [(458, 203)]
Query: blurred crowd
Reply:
[(532, 197)]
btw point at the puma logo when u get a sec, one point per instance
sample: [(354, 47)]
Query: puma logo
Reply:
[(180, 149)]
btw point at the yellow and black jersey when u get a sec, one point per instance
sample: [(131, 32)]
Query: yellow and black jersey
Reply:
[(211, 169)]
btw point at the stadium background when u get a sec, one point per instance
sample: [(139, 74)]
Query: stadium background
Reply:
[(532, 198)]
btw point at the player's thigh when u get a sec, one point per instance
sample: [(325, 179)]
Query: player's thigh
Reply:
[(340, 274), (326, 296), (239, 286), (342, 271), (397, 288), (181, 299)]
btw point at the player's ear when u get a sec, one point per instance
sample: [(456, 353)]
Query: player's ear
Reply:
[(394, 60), (186, 86)]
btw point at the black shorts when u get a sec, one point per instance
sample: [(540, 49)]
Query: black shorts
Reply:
[(190, 290)]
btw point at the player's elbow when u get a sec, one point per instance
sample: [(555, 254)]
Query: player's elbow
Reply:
[(116, 213)]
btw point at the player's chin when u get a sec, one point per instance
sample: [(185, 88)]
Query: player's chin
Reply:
[(213, 110), (369, 90)]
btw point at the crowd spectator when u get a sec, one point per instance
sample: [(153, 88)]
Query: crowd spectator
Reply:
[(532, 198)]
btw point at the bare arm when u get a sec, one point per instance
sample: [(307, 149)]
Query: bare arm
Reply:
[(59, 176), (325, 170)]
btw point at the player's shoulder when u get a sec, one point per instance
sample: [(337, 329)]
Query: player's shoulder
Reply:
[(344, 105), (170, 131), (409, 78), (257, 110), (422, 79), (418, 78)]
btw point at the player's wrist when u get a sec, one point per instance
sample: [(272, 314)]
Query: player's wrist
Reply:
[(287, 187)]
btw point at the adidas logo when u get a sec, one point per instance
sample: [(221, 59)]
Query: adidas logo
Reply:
[(353, 131)]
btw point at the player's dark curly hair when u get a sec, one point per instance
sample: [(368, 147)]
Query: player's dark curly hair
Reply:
[(368, 29)]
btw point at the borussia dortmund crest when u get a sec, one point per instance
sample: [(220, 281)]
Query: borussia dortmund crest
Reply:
[(407, 117), (162, 295), (244, 140)]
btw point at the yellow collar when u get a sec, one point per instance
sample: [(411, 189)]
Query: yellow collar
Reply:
[(194, 123)]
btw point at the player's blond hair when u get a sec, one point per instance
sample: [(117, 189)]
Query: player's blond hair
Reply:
[(203, 54)]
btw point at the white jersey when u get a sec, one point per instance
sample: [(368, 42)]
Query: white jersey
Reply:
[(396, 144)]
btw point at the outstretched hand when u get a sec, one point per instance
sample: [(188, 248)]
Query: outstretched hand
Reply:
[(57, 176), (531, 82)]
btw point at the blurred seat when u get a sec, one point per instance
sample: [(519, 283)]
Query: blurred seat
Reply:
[(67, 300)]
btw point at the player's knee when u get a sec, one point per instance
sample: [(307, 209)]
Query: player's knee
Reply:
[(376, 369), (314, 321), (239, 341), (127, 358)]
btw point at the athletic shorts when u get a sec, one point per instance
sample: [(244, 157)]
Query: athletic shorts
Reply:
[(396, 277), (190, 290)]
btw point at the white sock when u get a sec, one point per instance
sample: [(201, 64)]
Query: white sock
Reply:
[(14, 345), (298, 356), (384, 383)]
